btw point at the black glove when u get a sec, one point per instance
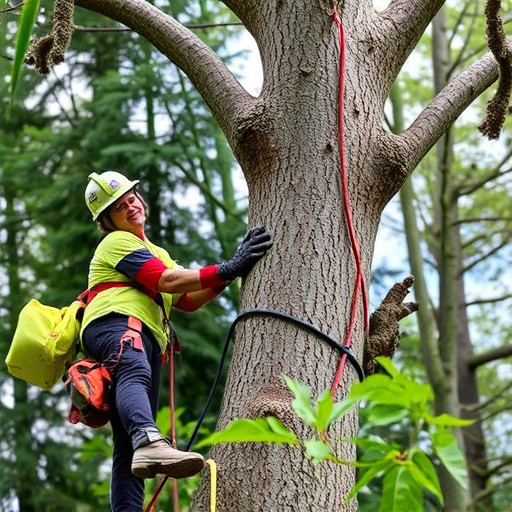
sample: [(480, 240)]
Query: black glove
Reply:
[(253, 247)]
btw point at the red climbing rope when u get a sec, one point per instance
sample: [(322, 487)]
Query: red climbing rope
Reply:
[(360, 286)]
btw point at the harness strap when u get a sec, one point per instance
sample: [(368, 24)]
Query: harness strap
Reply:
[(88, 295), (133, 333)]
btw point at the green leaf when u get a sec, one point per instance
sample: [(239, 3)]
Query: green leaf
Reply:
[(374, 445), (445, 420), (423, 471), (449, 453), (301, 404), (385, 414), (375, 470), (363, 390), (400, 492), (317, 450), (324, 406), (265, 430), (388, 365), (28, 18), (339, 409)]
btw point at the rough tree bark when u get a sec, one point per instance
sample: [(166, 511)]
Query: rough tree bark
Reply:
[(286, 141)]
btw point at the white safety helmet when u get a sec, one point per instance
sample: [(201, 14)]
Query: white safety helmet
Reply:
[(104, 189)]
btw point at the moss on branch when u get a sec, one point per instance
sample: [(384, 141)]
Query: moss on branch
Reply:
[(384, 333), (49, 50)]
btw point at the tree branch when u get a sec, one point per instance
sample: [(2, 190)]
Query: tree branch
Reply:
[(447, 106), (485, 256), (493, 174), (224, 95), (479, 302), (406, 21), (495, 354), (471, 220)]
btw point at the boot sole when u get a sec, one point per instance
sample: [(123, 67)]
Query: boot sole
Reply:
[(178, 469)]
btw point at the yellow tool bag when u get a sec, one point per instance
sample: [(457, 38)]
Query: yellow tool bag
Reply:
[(44, 343)]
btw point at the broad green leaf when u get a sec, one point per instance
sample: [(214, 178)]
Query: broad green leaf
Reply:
[(324, 406), (317, 450), (328, 411), (277, 426), (400, 492), (265, 430), (362, 390), (388, 365), (374, 445), (301, 404), (391, 395), (28, 18), (385, 414), (449, 453), (419, 393), (339, 409), (423, 471), (445, 420), (375, 470)]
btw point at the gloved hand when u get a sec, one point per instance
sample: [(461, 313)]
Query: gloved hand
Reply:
[(253, 247)]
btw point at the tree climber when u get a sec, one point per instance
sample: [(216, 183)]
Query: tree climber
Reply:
[(125, 328)]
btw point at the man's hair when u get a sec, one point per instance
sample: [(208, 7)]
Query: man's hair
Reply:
[(104, 221)]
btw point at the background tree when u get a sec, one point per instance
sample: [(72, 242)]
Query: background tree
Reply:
[(460, 196), (125, 92)]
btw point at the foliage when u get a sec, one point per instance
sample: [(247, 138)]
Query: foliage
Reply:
[(409, 470), (28, 18), (53, 139)]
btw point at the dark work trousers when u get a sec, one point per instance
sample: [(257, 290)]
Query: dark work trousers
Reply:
[(136, 378)]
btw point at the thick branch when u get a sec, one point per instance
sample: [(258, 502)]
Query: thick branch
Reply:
[(447, 106), (404, 21), (384, 332), (489, 356), (221, 91)]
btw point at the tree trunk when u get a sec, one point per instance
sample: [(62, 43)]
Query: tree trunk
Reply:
[(469, 397), (291, 157)]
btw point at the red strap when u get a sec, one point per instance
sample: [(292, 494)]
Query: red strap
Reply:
[(133, 333), (87, 295)]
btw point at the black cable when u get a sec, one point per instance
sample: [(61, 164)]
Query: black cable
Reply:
[(278, 314)]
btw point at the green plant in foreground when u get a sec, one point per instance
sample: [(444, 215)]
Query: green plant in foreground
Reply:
[(408, 471)]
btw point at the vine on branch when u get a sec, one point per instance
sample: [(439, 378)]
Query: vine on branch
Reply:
[(49, 50), (498, 107)]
